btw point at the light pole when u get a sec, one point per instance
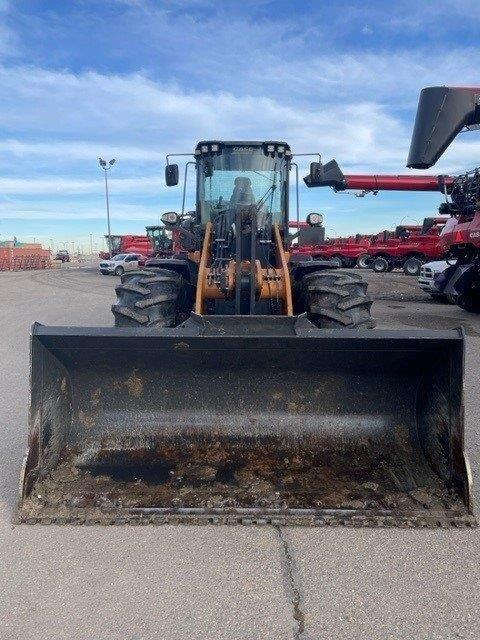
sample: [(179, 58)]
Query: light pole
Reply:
[(106, 166)]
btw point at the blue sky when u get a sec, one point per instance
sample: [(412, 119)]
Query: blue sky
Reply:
[(136, 79)]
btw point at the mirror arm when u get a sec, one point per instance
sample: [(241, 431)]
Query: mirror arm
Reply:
[(174, 155)]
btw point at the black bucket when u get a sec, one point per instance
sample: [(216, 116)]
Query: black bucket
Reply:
[(246, 418)]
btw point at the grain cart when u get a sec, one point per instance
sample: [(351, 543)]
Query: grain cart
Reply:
[(241, 386)]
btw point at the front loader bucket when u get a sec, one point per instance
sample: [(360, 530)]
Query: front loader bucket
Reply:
[(246, 419)]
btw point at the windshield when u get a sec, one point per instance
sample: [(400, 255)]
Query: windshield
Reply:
[(243, 176), (120, 257)]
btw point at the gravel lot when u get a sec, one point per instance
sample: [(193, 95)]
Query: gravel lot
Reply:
[(141, 583)]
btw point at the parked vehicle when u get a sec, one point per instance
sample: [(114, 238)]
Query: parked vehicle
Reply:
[(240, 385), (62, 255), (118, 265), (434, 277), (443, 112)]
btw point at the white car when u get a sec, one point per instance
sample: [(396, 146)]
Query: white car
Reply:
[(431, 278), (119, 264)]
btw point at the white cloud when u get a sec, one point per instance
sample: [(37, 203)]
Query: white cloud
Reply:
[(77, 150), (69, 186), (77, 210), (138, 120), (150, 118)]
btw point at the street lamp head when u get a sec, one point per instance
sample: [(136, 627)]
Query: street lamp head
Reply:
[(112, 162), (102, 162)]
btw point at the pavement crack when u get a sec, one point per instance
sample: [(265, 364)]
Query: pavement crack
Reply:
[(292, 583)]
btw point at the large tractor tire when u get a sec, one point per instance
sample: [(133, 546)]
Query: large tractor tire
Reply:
[(469, 302), (364, 261), (337, 261), (151, 297), (412, 266), (336, 299), (381, 265)]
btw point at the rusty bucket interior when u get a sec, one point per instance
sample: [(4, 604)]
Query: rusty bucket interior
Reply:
[(242, 420)]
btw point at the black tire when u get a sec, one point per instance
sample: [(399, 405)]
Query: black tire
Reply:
[(337, 261), (412, 266), (151, 297), (119, 271), (439, 297), (336, 299), (381, 265), (469, 302), (364, 261), (340, 260), (104, 273)]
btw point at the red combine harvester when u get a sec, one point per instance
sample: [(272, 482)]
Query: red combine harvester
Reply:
[(127, 244), (157, 242), (410, 247), (347, 252), (443, 112)]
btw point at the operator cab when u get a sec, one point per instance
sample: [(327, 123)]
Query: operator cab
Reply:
[(233, 176)]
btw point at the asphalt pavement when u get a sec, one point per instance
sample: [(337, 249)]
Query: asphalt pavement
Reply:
[(255, 582)]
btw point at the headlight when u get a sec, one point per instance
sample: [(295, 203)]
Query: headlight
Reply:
[(314, 219), (170, 217)]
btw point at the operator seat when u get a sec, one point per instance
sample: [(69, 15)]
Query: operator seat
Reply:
[(242, 196), (242, 192)]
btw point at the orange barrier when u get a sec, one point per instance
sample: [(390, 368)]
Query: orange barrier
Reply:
[(24, 258)]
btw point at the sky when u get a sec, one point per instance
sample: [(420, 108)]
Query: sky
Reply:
[(137, 79)]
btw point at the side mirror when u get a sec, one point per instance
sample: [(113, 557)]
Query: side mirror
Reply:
[(316, 172), (171, 175)]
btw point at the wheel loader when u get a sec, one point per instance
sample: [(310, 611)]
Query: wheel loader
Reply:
[(242, 386)]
